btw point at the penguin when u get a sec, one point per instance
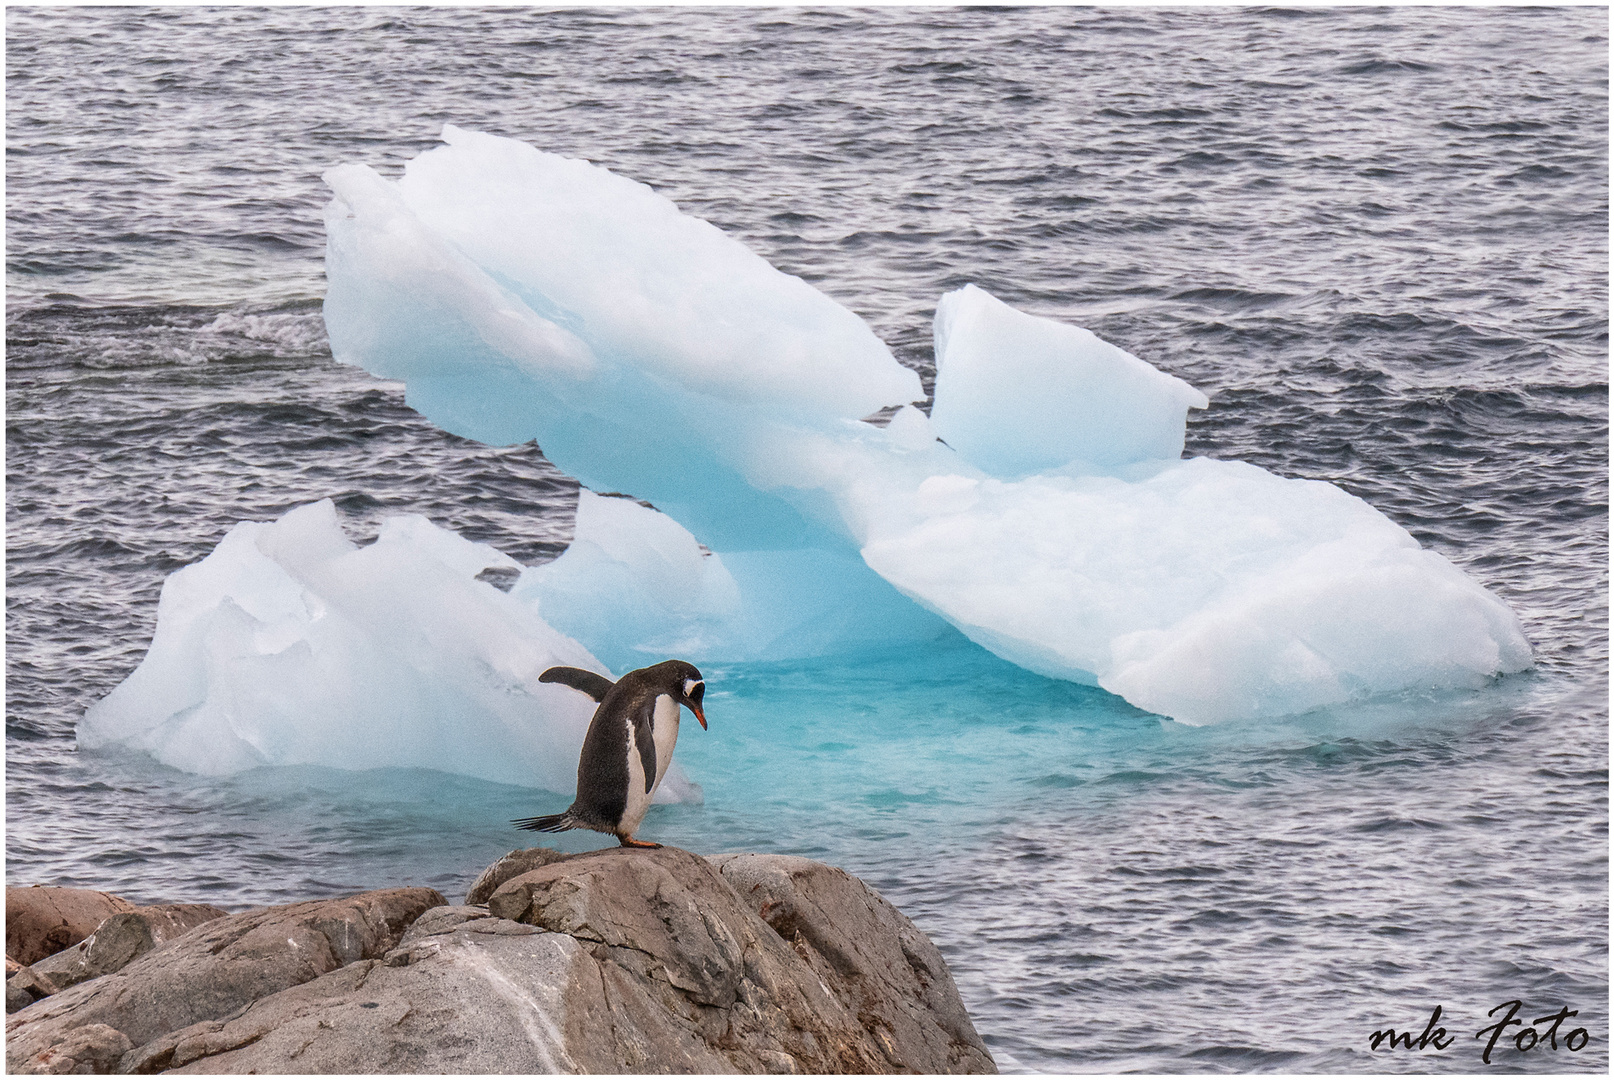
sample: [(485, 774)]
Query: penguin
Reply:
[(628, 746)]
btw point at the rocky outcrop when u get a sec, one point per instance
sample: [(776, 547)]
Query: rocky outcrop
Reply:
[(45, 919), (119, 939), (462, 993), (208, 973), (878, 964), (613, 961), (677, 975), (41, 918)]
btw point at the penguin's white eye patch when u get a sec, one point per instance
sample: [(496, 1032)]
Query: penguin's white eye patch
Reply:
[(690, 684)]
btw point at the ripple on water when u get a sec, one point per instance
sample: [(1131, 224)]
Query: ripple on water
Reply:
[(1377, 238)]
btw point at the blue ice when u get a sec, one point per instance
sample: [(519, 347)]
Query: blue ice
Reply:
[(1042, 509)]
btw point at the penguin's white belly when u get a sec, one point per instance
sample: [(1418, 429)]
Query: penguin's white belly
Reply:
[(664, 730)]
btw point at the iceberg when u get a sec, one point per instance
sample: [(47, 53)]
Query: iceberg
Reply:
[(291, 645), (1017, 395), (1043, 508)]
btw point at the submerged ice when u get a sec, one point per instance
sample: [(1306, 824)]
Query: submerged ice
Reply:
[(1043, 508)]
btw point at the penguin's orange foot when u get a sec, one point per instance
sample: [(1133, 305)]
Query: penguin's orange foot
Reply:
[(628, 841)]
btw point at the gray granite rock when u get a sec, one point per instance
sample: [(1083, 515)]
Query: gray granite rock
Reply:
[(871, 956), (214, 970), (807, 1000), (122, 938), (622, 960), (512, 865), (26, 986), (480, 996)]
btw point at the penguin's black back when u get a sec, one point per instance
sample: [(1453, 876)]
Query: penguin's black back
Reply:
[(602, 769)]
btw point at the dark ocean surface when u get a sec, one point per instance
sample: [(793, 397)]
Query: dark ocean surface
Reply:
[(1377, 238)]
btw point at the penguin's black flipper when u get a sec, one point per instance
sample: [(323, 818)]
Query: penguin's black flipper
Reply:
[(595, 686), (644, 736), (547, 823)]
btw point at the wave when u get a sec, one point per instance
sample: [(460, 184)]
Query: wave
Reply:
[(127, 336)]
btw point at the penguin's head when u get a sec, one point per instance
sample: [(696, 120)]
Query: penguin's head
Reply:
[(687, 685)]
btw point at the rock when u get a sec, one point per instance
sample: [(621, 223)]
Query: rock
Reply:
[(872, 957), (622, 960), (122, 938), (767, 1001), (615, 961), (26, 986), (46, 919), (18, 997), (214, 970), (512, 865), (477, 995), (93, 1048), (668, 904)]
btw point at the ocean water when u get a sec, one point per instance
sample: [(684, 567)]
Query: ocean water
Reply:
[(1376, 237)]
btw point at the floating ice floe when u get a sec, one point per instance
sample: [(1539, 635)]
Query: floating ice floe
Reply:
[(521, 295), (1043, 509), (291, 645)]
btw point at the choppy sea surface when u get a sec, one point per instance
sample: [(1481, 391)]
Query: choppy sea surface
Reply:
[(1378, 238)]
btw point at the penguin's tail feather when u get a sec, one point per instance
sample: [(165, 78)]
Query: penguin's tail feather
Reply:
[(548, 823)]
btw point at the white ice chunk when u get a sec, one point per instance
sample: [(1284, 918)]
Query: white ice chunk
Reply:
[(438, 278), (634, 580), (289, 645), (523, 295), (669, 292), (1055, 525), (1207, 591), (1017, 394)]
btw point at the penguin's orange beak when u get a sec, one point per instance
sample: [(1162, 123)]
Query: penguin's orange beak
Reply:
[(696, 709)]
